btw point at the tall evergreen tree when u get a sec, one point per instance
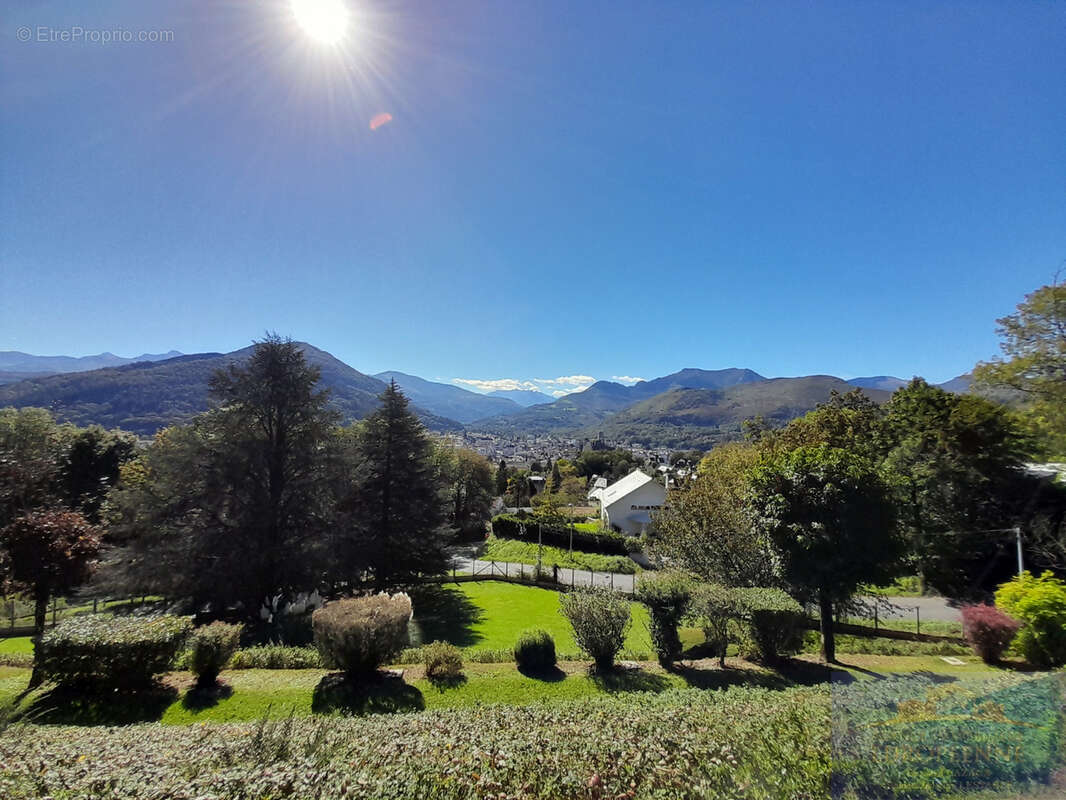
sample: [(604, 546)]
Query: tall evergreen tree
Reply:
[(501, 478), (234, 508), (396, 509)]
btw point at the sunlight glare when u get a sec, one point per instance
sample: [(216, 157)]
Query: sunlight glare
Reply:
[(325, 21)]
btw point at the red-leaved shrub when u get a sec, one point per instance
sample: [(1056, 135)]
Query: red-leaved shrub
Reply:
[(988, 630)]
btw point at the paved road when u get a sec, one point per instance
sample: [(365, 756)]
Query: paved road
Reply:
[(463, 561), (928, 608)]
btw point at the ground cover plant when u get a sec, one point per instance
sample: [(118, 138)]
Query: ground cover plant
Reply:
[(741, 743), (518, 552), (914, 736)]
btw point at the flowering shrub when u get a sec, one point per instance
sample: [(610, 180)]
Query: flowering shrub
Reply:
[(667, 596), (534, 651), (600, 619), (443, 661), (988, 630), (111, 651), (680, 744), (1040, 604), (361, 634), (210, 647)]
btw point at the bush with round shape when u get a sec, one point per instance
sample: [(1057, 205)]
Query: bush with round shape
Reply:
[(988, 630), (534, 652), (210, 649), (95, 650), (600, 618), (1040, 605), (667, 596), (361, 634), (443, 662)]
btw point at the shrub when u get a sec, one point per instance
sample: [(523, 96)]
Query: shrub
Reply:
[(988, 630), (1040, 604), (360, 634), (210, 648), (715, 607), (276, 656), (771, 624), (534, 651), (96, 650), (600, 618), (509, 526), (667, 596), (443, 661)]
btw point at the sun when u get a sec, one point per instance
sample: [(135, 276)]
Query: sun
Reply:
[(325, 21)]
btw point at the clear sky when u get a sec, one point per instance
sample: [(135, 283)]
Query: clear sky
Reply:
[(564, 188)]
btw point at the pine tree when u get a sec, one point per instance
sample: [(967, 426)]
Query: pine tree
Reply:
[(501, 478), (556, 477), (396, 508)]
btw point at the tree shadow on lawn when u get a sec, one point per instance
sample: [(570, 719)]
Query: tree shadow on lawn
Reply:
[(97, 706), (444, 615), (551, 675), (203, 698), (443, 684), (629, 680), (381, 693)]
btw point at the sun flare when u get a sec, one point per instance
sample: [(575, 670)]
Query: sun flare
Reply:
[(325, 21)]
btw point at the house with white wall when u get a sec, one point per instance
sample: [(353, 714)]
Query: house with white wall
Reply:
[(627, 504)]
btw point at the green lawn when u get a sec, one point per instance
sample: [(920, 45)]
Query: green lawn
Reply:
[(526, 553), (489, 615), (17, 644)]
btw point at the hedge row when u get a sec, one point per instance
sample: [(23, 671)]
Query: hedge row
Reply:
[(121, 652), (509, 526)]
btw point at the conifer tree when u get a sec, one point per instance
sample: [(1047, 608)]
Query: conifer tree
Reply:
[(396, 510), (501, 478)]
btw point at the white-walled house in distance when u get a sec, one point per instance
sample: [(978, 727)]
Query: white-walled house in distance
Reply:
[(627, 504)]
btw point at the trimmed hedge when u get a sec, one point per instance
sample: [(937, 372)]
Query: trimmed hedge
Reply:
[(361, 634), (509, 526), (210, 649), (667, 596), (444, 661), (769, 622), (98, 650), (535, 651)]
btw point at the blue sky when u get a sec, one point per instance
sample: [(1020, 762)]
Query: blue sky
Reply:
[(565, 189)]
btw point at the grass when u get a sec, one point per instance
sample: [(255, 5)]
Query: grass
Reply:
[(589, 527), (17, 644), (248, 695), (489, 615), (526, 553)]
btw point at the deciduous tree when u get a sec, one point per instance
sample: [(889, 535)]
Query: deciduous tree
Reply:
[(832, 523)]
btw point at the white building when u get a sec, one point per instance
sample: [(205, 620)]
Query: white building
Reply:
[(596, 490), (627, 504)]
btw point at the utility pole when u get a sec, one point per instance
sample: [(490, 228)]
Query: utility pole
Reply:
[(1018, 542)]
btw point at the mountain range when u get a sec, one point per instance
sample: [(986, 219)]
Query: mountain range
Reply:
[(13, 361), (688, 408), (145, 396)]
